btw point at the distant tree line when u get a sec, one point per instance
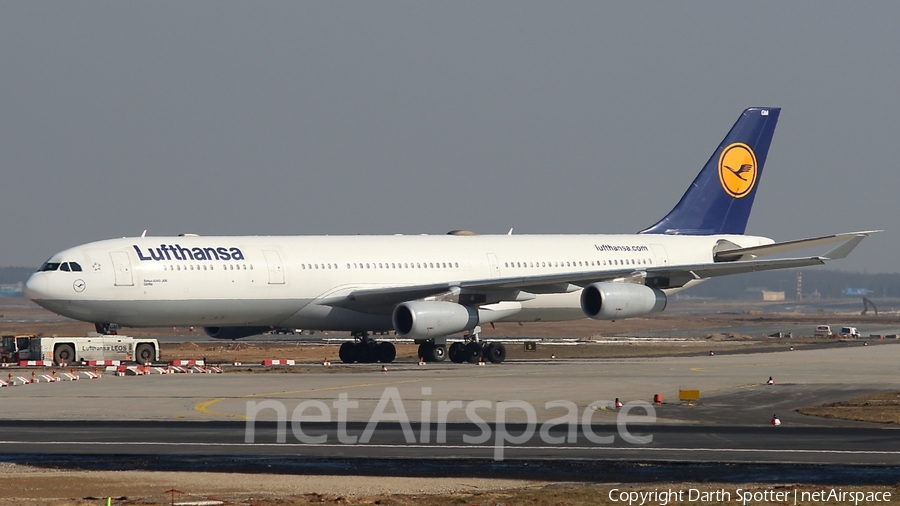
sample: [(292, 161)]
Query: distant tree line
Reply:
[(13, 275)]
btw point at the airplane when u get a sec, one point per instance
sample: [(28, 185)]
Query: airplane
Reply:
[(430, 287)]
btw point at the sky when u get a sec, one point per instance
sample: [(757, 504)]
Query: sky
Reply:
[(284, 118)]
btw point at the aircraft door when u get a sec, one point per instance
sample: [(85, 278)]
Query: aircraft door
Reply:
[(495, 265), (659, 251), (122, 268), (276, 271)]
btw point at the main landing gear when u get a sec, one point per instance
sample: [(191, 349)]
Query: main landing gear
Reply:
[(365, 350), (470, 350)]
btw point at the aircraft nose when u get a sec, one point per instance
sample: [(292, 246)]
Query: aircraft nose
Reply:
[(36, 286)]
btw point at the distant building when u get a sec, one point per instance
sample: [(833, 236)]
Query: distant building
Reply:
[(11, 289), (772, 296)]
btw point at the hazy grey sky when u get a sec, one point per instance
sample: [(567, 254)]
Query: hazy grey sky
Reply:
[(422, 117)]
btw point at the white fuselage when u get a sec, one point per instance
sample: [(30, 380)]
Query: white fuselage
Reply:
[(277, 280)]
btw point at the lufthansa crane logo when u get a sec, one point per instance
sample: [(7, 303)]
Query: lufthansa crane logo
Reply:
[(737, 170)]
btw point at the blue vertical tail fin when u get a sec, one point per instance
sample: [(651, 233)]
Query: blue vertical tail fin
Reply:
[(720, 198)]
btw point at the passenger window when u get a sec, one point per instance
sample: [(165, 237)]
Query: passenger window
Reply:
[(64, 267)]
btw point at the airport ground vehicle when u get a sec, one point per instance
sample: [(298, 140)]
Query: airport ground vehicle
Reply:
[(68, 350), (849, 332), (823, 330)]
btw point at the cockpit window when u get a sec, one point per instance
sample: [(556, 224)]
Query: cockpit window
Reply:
[(75, 267), (49, 266), (64, 267)]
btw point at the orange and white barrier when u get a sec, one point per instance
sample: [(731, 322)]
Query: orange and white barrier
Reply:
[(175, 369), (3, 383), (326, 363), (161, 370), (72, 377), (90, 375), (49, 379), (187, 362), (32, 363), (21, 380), (618, 403), (277, 362), (775, 420), (95, 363)]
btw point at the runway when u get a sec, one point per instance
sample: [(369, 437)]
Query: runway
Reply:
[(522, 410), (670, 442)]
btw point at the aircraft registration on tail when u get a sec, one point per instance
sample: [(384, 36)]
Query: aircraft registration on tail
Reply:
[(430, 287)]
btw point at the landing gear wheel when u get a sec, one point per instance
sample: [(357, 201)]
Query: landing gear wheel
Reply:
[(456, 353), (425, 351), (366, 353), (496, 353), (144, 354), (438, 353), (64, 354), (472, 352), (386, 352), (347, 352)]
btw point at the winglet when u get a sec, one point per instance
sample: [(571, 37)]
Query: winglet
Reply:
[(844, 249)]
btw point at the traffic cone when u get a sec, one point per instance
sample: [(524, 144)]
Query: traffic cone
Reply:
[(792, 348), (553, 355), (383, 368), (618, 403), (326, 363), (771, 381), (657, 399), (711, 353), (865, 343), (481, 360), (421, 361), (775, 420)]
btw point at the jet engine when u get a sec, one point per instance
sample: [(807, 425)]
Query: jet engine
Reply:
[(612, 301), (234, 332), (429, 319)]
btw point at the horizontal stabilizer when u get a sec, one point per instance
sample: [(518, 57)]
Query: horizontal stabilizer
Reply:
[(783, 247)]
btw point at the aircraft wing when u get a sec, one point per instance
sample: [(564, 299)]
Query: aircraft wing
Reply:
[(382, 300)]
